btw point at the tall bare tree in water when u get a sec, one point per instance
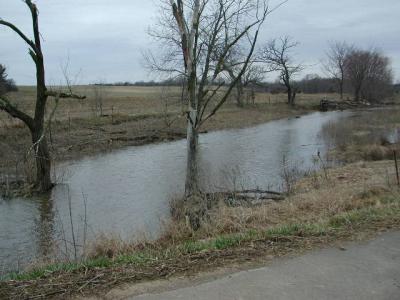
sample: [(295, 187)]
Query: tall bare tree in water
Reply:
[(200, 36), (36, 124), (276, 54)]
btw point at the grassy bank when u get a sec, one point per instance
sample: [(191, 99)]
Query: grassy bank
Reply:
[(352, 202), (370, 136)]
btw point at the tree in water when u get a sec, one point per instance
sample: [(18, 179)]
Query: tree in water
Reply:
[(36, 124), (201, 36)]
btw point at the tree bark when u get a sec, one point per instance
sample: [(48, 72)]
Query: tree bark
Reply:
[(341, 86), (37, 123), (192, 185), (294, 93), (289, 96), (43, 161), (357, 93), (239, 95)]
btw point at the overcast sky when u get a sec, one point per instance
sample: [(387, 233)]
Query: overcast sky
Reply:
[(104, 39)]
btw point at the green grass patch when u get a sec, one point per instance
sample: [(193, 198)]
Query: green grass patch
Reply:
[(313, 229), (331, 227)]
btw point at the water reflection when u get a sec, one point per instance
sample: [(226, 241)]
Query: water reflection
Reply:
[(44, 228)]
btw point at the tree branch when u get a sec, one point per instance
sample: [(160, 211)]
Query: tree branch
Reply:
[(14, 112), (61, 95), (20, 33)]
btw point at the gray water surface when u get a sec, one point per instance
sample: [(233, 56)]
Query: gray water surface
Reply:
[(127, 192)]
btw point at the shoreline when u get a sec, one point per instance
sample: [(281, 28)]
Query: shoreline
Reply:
[(363, 214)]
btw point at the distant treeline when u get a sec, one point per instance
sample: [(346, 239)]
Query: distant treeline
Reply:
[(6, 85), (168, 82), (310, 84), (396, 88)]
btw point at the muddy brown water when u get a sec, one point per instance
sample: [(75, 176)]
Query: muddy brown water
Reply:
[(126, 193)]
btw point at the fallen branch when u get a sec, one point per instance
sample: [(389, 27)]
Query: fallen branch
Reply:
[(246, 197)]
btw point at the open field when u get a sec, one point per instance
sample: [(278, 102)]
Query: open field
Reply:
[(130, 116), (137, 101)]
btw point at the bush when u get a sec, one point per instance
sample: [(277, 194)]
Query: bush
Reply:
[(6, 85)]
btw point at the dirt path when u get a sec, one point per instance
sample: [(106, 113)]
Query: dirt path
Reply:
[(370, 270)]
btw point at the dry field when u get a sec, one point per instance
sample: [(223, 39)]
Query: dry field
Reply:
[(134, 101)]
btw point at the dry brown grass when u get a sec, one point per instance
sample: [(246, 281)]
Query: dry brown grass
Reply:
[(132, 101), (369, 136), (314, 198)]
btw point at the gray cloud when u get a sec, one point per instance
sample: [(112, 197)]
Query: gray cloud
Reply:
[(104, 39)]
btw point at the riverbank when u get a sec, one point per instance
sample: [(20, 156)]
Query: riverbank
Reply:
[(347, 203), (129, 116), (371, 136), (350, 202)]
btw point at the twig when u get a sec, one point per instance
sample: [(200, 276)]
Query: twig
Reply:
[(89, 281)]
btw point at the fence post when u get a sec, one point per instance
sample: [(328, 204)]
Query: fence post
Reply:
[(397, 167)]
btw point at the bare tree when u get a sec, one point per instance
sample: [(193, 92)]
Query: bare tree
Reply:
[(36, 124), (368, 71), (99, 94), (199, 37), (277, 56), (335, 63), (253, 74), (208, 33), (253, 77)]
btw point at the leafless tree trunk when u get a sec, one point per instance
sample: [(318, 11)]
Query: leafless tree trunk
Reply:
[(253, 75), (276, 55), (36, 124), (203, 34), (98, 99), (239, 89), (208, 32), (335, 63)]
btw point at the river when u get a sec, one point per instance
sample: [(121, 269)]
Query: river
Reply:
[(127, 192)]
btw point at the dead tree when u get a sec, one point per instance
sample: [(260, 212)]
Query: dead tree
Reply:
[(36, 124), (277, 56), (335, 63)]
